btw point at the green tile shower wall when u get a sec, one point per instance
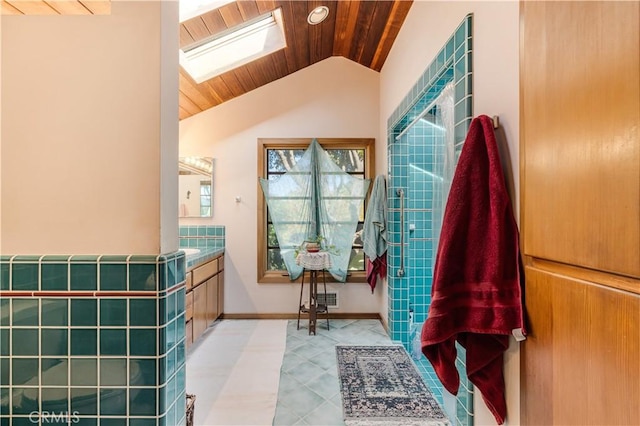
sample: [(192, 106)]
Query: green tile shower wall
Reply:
[(98, 338), (453, 63)]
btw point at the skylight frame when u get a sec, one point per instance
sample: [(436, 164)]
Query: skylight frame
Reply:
[(220, 53)]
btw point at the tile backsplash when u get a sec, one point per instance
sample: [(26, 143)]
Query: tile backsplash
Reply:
[(98, 339), (201, 236)]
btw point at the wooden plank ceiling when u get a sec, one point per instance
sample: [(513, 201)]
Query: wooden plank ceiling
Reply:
[(360, 30), (56, 7)]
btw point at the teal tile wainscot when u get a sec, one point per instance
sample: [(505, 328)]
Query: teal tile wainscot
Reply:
[(93, 340), (206, 242)]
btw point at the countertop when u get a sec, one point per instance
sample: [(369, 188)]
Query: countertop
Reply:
[(203, 255)]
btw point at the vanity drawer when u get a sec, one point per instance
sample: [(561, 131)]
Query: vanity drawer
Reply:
[(202, 273), (189, 306)]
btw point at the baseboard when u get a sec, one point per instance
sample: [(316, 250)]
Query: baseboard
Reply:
[(332, 315)]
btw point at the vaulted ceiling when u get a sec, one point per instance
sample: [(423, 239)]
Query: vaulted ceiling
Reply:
[(55, 7), (360, 30)]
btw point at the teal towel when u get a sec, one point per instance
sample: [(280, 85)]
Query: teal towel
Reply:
[(374, 232)]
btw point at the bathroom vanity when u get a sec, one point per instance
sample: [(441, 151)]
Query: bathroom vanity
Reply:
[(204, 295)]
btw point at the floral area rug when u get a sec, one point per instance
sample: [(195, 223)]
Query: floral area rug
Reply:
[(381, 386)]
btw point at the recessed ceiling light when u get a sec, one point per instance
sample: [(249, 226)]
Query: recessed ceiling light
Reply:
[(318, 15)]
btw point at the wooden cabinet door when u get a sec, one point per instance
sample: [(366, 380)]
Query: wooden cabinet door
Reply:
[(212, 299), (580, 212), (580, 131), (220, 293), (199, 310), (189, 334), (580, 364), (188, 306)]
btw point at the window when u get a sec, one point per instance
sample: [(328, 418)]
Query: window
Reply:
[(205, 198), (275, 157), (237, 46)]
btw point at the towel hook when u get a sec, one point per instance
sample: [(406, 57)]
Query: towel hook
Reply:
[(496, 121)]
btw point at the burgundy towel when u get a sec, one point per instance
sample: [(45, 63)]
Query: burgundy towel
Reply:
[(476, 294), (376, 268)]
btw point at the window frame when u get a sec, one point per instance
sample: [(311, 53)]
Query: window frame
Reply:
[(368, 144)]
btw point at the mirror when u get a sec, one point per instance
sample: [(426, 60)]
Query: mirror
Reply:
[(195, 187)]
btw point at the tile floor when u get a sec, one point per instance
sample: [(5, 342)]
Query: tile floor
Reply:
[(266, 372), (309, 391), (234, 369)]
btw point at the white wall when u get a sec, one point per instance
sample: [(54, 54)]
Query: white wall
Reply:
[(495, 92), (1, 137), (332, 98), (90, 131)]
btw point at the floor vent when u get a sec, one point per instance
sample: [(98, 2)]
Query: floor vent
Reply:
[(331, 299)]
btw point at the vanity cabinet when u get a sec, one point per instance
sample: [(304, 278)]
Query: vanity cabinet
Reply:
[(204, 297)]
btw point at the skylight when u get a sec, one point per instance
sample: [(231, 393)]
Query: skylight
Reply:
[(234, 47)]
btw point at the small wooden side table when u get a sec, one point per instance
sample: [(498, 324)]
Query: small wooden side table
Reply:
[(313, 262)]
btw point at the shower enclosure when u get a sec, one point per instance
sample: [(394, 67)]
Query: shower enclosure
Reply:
[(425, 138)]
